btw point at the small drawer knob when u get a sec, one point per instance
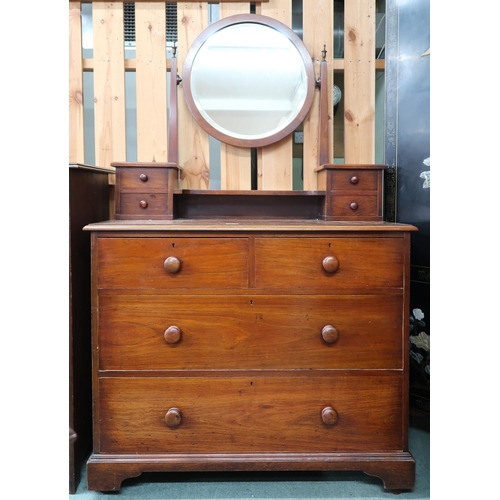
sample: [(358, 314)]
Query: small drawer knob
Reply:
[(330, 334), (143, 204), (143, 177), (173, 418), (354, 179), (172, 335), (329, 416), (172, 265), (330, 264), (354, 205)]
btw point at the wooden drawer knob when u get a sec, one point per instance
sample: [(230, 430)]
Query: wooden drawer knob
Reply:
[(330, 264), (329, 416), (172, 335), (173, 418), (354, 205), (330, 334), (143, 204), (143, 177), (172, 265), (354, 179)]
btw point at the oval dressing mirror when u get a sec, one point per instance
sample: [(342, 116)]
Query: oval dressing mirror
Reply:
[(248, 80)]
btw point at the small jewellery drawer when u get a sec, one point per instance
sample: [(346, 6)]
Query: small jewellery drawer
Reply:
[(353, 412), (365, 180), (143, 179), (173, 263), (143, 205), (341, 265), (355, 204), (151, 332)]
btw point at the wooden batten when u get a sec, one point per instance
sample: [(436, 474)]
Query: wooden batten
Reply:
[(235, 163), (192, 19), (275, 161), (76, 123), (151, 82), (318, 33), (359, 81), (109, 83)]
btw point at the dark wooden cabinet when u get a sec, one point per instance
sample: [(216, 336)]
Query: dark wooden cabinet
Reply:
[(250, 345), (88, 202)]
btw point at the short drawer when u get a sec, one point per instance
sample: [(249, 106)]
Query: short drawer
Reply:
[(143, 179), (355, 205), (143, 206), (172, 263), (366, 180), (353, 412), (250, 332), (341, 265)]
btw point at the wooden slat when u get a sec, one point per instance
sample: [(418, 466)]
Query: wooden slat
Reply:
[(235, 163), (76, 124), (192, 19), (317, 25), (151, 82), (359, 81), (275, 161), (109, 83), (185, 1)]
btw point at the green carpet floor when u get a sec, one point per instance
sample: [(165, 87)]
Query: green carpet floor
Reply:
[(269, 485)]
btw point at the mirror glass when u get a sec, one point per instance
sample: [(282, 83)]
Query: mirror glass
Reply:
[(248, 80)]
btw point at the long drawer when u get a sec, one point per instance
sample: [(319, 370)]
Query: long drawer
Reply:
[(154, 332), (352, 412)]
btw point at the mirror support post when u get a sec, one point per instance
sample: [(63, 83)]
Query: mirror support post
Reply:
[(323, 111), (173, 131)]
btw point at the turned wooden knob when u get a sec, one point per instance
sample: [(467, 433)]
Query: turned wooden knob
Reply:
[(330, 334), (354, 205), (354, 179), (173, 418), (330, 264), (172, 335), (329, 416), (143, 204), (172, 265), (143, 177)]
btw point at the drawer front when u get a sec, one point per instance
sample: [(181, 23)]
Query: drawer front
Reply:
[(355, 205), (251, 414), (143, 205), (364, 264), (173, 263), (249, 332), (143, 180), (366, 180)]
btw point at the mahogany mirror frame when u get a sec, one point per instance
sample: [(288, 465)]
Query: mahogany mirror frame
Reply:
[(308, 66)]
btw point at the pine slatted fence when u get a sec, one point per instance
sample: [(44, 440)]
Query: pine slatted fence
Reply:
[(151, 65)]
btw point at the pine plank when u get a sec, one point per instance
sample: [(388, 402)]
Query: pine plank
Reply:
[(359, 81), (235, 163), (192, 19), (109, 83), (76, 123), (151, 82), (275, 161), (317, 26)]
